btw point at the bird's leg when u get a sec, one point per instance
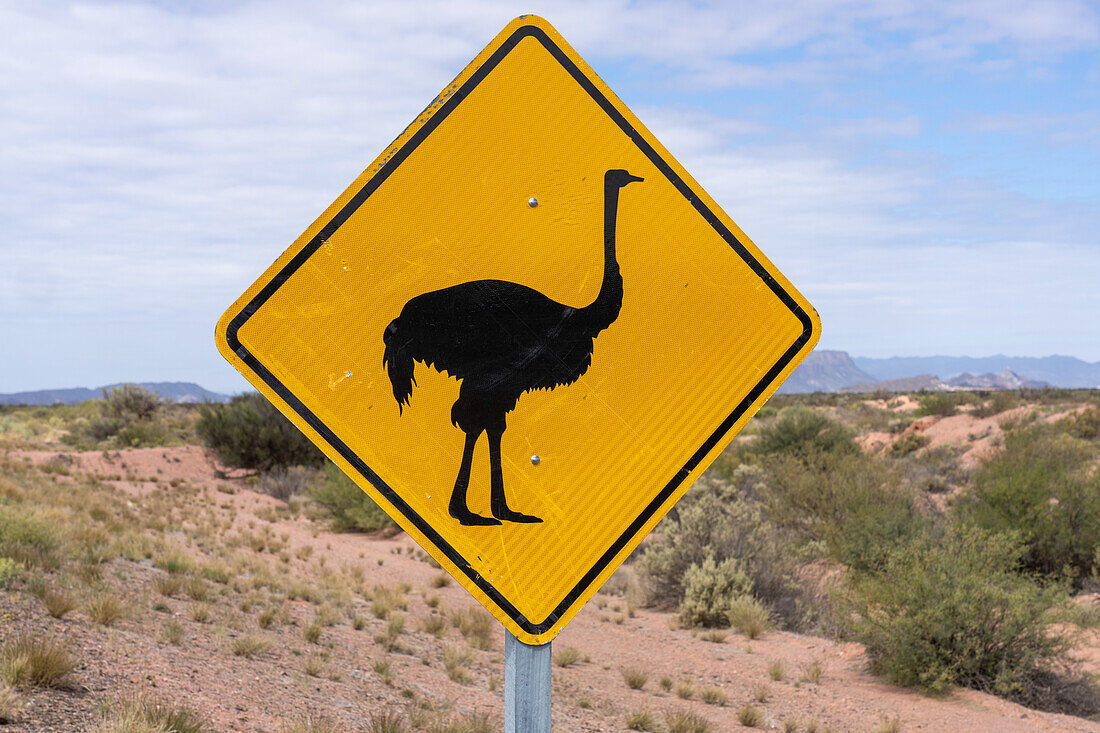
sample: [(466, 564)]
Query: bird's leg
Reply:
[(457, 507), (497, 502)]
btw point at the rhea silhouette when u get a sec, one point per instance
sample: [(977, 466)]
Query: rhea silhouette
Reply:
[(501, 339)]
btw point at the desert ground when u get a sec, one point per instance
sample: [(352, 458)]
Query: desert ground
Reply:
[(176, 579)]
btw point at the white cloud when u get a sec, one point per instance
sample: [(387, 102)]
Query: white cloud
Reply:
[(158, 156)]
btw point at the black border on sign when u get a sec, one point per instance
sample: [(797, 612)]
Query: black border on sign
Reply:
[(329, 229)]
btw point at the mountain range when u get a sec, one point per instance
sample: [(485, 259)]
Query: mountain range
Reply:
[(182, 392), (822, 371), (836, 371)]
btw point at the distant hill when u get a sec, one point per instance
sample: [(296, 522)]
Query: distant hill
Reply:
[(825, 371), (182, 392), (836, 371), (1007, 379), (1057, 371)]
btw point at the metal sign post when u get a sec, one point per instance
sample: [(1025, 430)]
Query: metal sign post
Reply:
[(526, 686)]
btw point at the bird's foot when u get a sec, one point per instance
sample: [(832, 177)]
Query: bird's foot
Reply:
[(469, 519), (507, 515)]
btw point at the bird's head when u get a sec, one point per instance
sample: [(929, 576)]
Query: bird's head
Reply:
[(617, 178)]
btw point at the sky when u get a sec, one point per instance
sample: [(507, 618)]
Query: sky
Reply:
[(924, 172)]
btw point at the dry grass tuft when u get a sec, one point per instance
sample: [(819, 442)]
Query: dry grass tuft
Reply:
[(106, 608), (889, 725), (476, 626), (387, 723), (713, 696), (635, 679), (642, 720), (435, 625), (172, 632), (168, 585), (27, 660), (382, 669), (683, 721), (311, 724), (567, 656), (750, 717), (250, 646), (200, 612), (749, 616), (812, 672), (455, 662), (57, 602), (395, 626), (11, 704), (142, 713), (385, 599)]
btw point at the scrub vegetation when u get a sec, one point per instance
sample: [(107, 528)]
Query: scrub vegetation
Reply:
[(962, 562)]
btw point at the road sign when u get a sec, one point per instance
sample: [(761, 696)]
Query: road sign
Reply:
[(524, 330)]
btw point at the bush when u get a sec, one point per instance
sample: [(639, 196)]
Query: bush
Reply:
[(723, 520), (283, 483), (1084, 424), (130, 416), (28, 540), (853, 504), (129, 403), (348, 506), (9, 569), (907, 443), (944, 404), (250, 433), (953, 611), (708, 590), (999, 402), (1040, 485), (800, 432)]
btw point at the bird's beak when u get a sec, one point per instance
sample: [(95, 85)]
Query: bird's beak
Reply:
[(634, 178)]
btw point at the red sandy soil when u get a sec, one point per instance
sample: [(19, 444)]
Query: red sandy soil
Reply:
[(264, 693)]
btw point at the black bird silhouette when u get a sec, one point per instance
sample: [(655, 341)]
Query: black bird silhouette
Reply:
[(501, 339)]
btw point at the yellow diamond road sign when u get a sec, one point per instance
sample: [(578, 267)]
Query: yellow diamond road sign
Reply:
[(524, 330)]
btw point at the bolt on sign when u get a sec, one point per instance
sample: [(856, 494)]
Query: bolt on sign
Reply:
[(524, 330)]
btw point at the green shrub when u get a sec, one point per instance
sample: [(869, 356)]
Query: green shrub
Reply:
[(800, 432), (27, 539), (129, 402), (855, 505), (953, 611), (998, 402), (907, 443), (250, 433), (1084, 424), (1040, 486), (9, 569), (709, 588), (348, 506), (720, 520), (944, 404), (130, 416)]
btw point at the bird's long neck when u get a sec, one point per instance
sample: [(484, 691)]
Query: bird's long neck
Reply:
[(605, 308)]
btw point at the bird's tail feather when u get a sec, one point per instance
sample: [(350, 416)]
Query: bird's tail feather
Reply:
[(398, 362)]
